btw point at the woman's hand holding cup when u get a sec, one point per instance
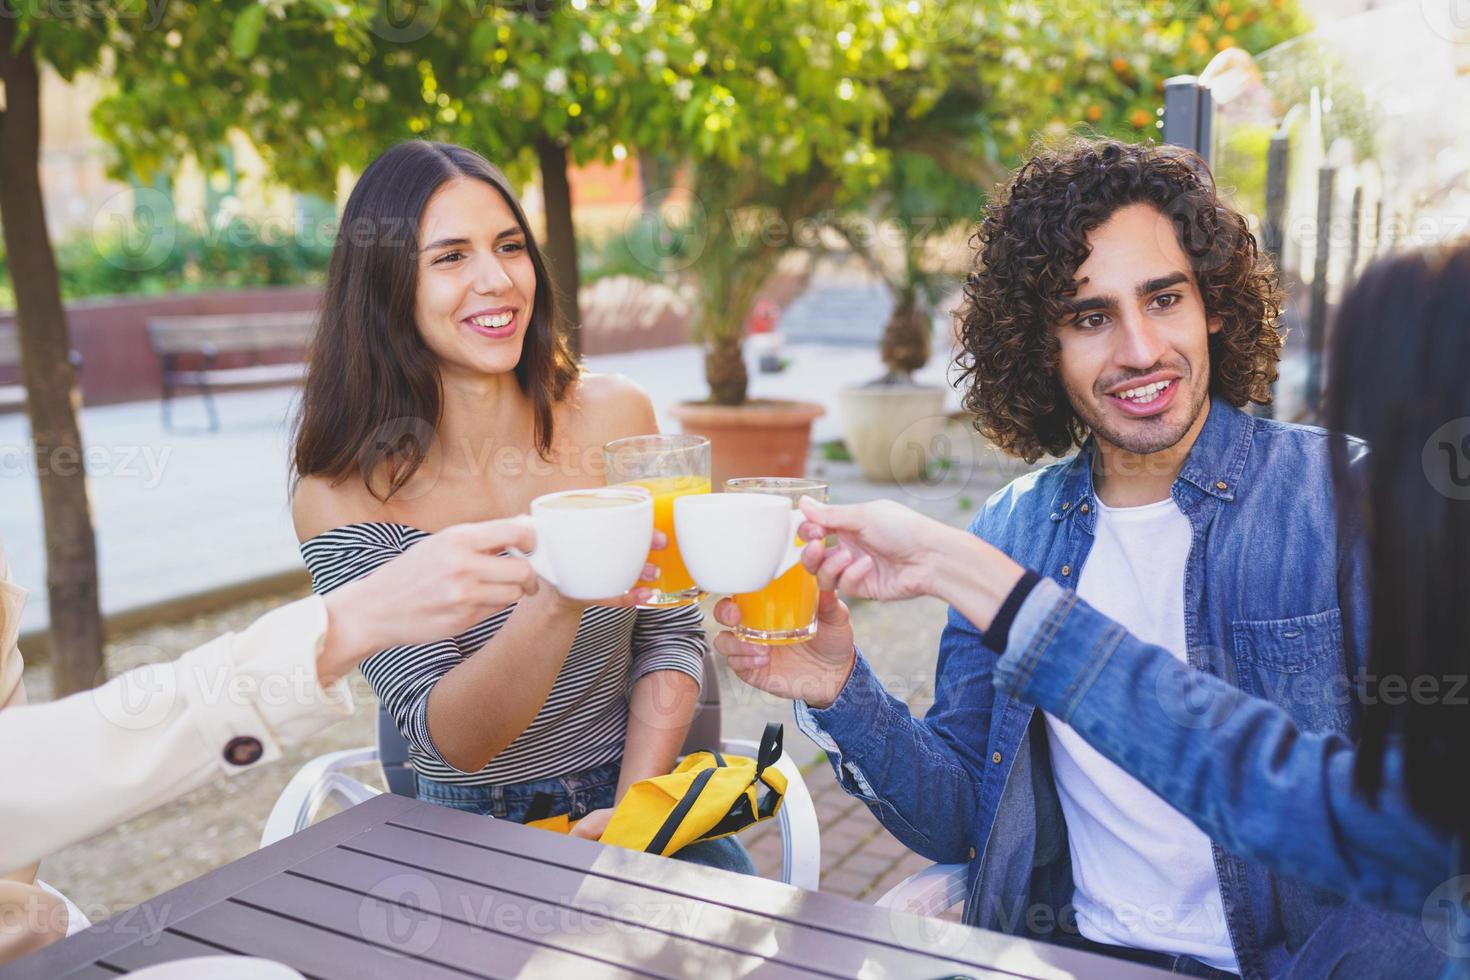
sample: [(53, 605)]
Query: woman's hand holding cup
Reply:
[(637, 596), (439, 587), (884, 551), (887, 553), (592, 546)]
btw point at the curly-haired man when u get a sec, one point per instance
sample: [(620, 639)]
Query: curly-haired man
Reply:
[(1119, 307)]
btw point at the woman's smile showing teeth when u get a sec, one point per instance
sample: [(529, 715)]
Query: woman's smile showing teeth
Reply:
[(493, 323)]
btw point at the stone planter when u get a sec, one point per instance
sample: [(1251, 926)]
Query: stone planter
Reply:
[(891, 429), (759, 438)]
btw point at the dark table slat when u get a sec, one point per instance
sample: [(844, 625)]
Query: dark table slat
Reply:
[(421, 926), (779, 929), (91, 972), (446, 867), (307, 949), (565, 911), (124, 929), (883, 928), (160, 948)]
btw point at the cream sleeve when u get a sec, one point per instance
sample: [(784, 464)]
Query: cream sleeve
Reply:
[(72, 768)]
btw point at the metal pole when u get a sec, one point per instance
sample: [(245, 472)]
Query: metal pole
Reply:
[(1181, 111), (1189, 116), (1355, 222), (1317, 315), (1204, 143), (1273, 231)]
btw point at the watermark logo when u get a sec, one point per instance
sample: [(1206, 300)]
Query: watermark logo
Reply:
[(922, 929), (402, 912), (1449, 19), (934, 22), (391, 446), (406, 21), (1446, 459), (135, 230), (150, 12), (145, 465), (923, 460), (668, 231), (1203, 232), (1446, 917), (1194, 699), (141, 698)]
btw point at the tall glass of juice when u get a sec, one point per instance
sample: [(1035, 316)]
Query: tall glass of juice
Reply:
[(668, 466), (786, 610)]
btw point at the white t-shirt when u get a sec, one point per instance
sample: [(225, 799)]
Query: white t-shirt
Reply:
[(1144, 875)]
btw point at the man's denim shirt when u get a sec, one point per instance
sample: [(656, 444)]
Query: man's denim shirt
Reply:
[(1274, 602)]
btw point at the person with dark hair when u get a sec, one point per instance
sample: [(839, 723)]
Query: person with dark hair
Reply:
[(440, 389), (1118, 306)]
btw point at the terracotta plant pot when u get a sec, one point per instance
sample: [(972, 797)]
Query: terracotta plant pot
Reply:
[(759, 438), (891, 430)]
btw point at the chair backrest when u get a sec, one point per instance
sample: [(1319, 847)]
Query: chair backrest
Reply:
[(704, 730), (704, 733), (393, 756)]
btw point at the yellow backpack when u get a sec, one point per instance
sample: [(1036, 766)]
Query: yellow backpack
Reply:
[(708, 795)]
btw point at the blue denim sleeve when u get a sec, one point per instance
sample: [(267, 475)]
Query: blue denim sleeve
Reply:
[(1237, 766), (920, 778)]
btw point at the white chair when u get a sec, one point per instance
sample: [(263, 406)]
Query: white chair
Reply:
[(323, 779), (938, 888), (76, 919)]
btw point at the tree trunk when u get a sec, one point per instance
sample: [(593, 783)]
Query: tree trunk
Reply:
[(656, 172), (905, 344), (561, 236), (725, 372), (51, 386)]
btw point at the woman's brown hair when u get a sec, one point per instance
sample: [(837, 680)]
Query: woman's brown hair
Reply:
[(373, 396), (1031, 241)]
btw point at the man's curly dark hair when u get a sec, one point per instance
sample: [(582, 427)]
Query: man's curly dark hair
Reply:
[(1033, 238)]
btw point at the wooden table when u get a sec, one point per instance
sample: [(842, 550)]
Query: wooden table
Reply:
[(402, 890)]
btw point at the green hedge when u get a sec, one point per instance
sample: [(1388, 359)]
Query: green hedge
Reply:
[(183, 261), (236, 257)]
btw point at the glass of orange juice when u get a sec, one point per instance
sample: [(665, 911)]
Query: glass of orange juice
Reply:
[(786, 610), (668, 466)]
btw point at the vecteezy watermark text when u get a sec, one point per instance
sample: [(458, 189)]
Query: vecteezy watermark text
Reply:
[(125, 462)]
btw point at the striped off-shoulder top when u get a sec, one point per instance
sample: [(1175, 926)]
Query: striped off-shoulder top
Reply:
[(585, 717)]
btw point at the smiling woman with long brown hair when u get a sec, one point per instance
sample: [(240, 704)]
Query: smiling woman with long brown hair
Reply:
[(439, 390)]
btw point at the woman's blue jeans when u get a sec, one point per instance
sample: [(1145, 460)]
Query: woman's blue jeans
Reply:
[(576, 794)]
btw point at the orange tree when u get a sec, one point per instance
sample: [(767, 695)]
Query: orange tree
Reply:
[(999, 76), (795, 114)]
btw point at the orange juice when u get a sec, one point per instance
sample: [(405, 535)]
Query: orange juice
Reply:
[(785, 611), (673, 576), (782, 612)]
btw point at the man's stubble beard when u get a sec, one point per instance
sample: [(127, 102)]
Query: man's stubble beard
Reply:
[(1151, 435)]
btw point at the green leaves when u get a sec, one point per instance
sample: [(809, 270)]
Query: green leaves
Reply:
[(245, 34)]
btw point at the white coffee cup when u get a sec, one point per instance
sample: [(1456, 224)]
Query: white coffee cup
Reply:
[(593, 543), (736, 542)]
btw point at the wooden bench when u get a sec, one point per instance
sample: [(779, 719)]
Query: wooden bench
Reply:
[(203, 339), (14, 395)]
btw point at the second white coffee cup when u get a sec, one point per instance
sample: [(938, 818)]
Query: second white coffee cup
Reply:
[(736, 542), (591, 544)]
